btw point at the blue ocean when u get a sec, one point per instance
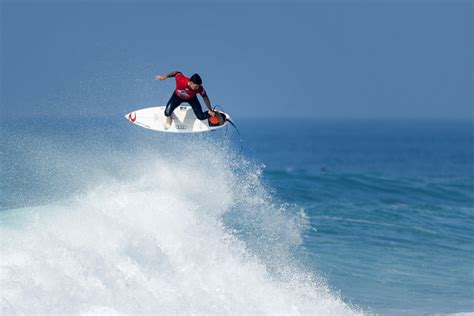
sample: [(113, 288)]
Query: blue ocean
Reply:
[(332, 217)]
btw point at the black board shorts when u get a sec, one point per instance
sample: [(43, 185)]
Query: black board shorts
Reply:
[(175, 101)]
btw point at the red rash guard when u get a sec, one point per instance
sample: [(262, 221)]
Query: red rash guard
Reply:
[(182, 89)]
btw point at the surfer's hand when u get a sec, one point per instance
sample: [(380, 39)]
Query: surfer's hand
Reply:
[(160, 77), (211, 113)]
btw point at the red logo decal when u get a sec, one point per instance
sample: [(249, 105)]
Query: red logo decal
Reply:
[(132, 117)]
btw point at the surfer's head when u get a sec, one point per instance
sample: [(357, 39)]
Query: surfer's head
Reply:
[(195, 82)]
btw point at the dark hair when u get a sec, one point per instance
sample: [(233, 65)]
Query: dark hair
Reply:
[(196, 79)]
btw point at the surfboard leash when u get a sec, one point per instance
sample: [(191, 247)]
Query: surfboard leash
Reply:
[(233, 124)]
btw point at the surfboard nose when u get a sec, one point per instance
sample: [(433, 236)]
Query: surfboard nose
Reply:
[(132, 116)]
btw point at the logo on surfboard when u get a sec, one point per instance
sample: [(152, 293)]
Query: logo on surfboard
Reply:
[(132, 117)]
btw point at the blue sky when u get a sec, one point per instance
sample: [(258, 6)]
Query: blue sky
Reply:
[(345, 59)]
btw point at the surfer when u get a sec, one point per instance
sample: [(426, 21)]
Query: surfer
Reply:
[(186, 91)]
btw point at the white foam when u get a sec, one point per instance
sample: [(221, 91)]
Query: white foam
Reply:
[(162, 243)]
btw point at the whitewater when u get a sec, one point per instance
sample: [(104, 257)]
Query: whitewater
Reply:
[(184, 226)]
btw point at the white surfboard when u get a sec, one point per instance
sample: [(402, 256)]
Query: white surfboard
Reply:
[(184, 120)]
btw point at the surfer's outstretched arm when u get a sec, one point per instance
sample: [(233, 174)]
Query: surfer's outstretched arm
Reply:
[(163, 77)]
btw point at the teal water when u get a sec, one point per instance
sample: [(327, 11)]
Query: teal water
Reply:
[(334, 217), (391, 206)]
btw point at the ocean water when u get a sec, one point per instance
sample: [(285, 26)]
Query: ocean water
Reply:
[(337, 217)]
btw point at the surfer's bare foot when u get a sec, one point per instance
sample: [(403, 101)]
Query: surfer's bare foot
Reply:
[(168, 121)]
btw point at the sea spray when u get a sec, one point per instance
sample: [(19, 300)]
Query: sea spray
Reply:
[(183, 227)]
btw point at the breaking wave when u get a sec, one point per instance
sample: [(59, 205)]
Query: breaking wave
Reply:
[(175, 229)]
